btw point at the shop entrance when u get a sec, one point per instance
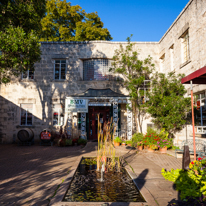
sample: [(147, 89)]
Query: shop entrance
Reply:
[(104, 116)]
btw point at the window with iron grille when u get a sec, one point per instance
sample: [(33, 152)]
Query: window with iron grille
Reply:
[(96, 69), (60, 69), (28, 75)]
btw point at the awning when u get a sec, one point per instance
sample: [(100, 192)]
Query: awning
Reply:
[(197, 77)]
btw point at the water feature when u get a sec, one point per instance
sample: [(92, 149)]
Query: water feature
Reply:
[(88, 185)]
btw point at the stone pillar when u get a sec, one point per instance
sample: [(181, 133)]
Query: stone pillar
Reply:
[(129, 121), (115, 116), (69, 124), (83, 126)]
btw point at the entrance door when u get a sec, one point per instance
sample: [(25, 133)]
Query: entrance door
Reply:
[(104, 115)]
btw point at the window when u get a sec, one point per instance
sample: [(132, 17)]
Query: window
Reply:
[(185, 47), (28, 75), (60, 69), (58, 116), (26, 114), (201, 109), (96, 69), (172, 57), (162, 61)]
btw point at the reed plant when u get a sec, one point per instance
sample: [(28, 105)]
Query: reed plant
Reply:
[(106, 153)]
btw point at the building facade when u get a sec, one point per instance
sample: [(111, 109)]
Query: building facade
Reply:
[(71, 84)]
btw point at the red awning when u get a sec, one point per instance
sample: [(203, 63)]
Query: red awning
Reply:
[(197, 77)]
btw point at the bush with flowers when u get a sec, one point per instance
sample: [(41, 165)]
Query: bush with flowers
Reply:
[(190, 183), (156, 139)]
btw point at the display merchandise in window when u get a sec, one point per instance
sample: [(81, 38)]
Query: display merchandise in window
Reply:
[(200, 114), (58, 116)]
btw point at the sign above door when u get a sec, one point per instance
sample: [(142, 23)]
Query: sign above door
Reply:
[(76, 105)]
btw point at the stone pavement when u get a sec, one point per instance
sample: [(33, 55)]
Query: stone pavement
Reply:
[(29, 175)]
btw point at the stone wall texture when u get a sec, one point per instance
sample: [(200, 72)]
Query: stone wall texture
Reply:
[(44, 91)]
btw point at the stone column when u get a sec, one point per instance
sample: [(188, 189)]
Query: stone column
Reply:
[(69, 124), (129, 121), (83, 126), (115, 116)]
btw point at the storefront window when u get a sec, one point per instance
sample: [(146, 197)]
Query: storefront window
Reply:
[(58, 116), (26, 114), (201, 109)]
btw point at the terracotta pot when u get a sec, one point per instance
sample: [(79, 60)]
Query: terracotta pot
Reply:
[(150, 150), (129, 145), (123, 144), (146, 146), (116, 144), (140, 147), (163, 150)]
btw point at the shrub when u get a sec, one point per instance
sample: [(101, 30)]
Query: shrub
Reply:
[(82, 141), (190, 183), (137, 139), (117, 140), (68, 142)]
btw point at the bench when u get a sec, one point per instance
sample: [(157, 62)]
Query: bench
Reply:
[(199, 144)]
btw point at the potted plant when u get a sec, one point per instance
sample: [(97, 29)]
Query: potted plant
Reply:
[(81, 141), (123, 143), (117, 141), (68, 142), (129, 142), (163, 144), (137, 140)]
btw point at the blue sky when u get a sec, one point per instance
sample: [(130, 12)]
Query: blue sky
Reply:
[(147, 20)]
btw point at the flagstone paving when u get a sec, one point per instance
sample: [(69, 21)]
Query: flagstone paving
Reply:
[(29, 175)]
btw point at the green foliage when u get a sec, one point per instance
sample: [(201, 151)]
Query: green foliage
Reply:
[(137, 139), (167, 104), (64, 22), (82, 141), (134, 72), (129, 142), (190, 183), (89, 161), (68, 142), (19, 52), (118, 140), (19, 28)]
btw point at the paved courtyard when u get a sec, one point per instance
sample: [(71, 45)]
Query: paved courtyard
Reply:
[(29, 175)]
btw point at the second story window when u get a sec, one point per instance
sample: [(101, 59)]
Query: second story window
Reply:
[(162, 62), (185, 47), (28, 75), (96, 69), (60, 69)]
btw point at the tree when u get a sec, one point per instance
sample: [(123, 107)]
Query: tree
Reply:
[(167, 104), (19, 30), (134, 72), (64, 22)]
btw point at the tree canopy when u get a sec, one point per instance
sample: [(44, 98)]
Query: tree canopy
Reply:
[(19, 30), (167, 104), (134, 71), (64, 22)]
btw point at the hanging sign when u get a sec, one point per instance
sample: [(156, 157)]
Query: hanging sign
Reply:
[(76, 105)]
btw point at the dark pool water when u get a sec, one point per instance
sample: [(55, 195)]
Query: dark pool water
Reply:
[(117, 186)]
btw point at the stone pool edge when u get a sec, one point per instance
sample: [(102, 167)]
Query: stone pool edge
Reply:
[(57, 199)]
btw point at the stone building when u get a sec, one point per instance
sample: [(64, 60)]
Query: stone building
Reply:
[(76, 73)]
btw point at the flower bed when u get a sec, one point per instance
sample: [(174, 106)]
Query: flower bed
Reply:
[(190, 183)]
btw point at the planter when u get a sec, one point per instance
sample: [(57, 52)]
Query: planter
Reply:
[(116, 144), (123, 144), (129, 145), (150, 150), (163, 150), (140, 147), (146, 146)]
